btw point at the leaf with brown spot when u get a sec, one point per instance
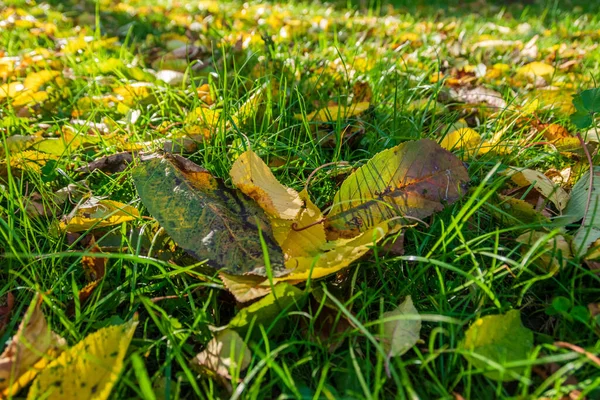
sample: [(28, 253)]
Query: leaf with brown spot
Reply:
[(412, 180), (206, 218)]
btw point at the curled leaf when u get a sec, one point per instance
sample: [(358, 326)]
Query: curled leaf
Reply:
[(544, 185)]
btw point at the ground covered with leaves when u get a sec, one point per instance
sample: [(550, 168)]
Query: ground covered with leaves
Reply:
[(267, 200)]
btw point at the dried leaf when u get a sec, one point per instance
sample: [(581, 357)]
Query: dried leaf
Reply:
[(88, 370), (113, 163), (254, 178), (224, 353), (205, 218), (414, 179)]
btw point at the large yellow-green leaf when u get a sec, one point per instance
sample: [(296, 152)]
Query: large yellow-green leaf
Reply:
[(494, 340), (414, 179), (88, 370), (205, 218)]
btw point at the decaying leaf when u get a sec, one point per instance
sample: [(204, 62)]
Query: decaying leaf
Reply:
[(401, 328), (224, 353), (205, 218), (544, 185), (29, 351), (494, 340), (88, 370), (246, 287), (254, 178), (414, 179), (552, 254), (98, 213)]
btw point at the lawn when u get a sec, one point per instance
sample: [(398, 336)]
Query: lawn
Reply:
[(204, 199)]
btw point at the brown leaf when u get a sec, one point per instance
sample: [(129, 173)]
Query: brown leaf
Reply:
[(113, 163)]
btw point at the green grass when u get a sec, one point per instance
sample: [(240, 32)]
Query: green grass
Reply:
[(466, 264)]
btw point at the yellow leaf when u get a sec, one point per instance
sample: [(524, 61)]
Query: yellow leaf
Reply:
[(88, 370), (28, 351), (254, 178), (514, 212), (11, 89), (36, 80), (246, 287), (334, 113), (98, 214), (30, 159), (204, 116), (544, 185), (462, 139), (338, 255), (536, 69), (305, 235), (29, 98)]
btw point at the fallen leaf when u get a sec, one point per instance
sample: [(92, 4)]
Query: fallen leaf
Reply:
[(98, 213), (494, 340), (401, 328), (478, 95), (205, 218), (335, 113), (465, 139), (88, 370), (336, 255), (224, 353), (552, 254), (578, 202), (113, 163), (246, 287), (535, 70), (544, 185), (514, 212), (29, 351), (329, 325), (254, 178), (305, 235), (414, 179), (266, 310)]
